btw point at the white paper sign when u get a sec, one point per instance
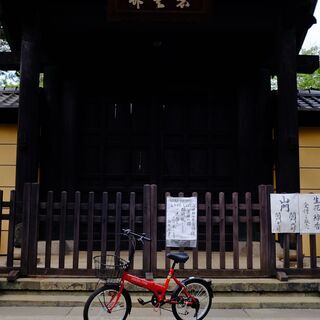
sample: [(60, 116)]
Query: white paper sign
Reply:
[(285, 213), (181, 222), (309, 207)]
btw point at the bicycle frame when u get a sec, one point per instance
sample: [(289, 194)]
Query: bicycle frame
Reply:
[(157, 289), (192, 294)]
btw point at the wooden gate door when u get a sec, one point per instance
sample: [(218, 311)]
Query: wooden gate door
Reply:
[(196, 136), (179, 139)]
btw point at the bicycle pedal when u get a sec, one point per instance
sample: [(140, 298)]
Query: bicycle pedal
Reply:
[(143, 302)]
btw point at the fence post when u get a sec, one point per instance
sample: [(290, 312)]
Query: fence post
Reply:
[(25, 228), (29, 243), (267, 243)]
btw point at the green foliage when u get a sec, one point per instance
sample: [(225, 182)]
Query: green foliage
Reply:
[(309, 81)]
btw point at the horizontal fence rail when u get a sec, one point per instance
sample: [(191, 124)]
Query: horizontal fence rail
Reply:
[(62, 233)]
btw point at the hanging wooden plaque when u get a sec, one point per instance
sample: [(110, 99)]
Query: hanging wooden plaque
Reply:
[(158, 10)]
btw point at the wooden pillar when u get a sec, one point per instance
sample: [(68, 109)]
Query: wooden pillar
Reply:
[(254, 136), (286, 124), (254, 131), (247, 139), (264, 125), (286, 127), (69, 115), (50, 166), (28, 120)]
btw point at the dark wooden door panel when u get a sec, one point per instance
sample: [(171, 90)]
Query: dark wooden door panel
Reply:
[(180, 140)]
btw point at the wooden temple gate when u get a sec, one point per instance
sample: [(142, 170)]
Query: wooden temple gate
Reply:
[(93, 227)]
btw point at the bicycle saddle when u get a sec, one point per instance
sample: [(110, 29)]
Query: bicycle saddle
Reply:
[(178, 257)]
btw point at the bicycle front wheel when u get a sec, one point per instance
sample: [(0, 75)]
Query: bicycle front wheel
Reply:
[(100, 305), (201, 291)]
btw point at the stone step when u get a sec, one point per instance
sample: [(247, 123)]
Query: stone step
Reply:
[(228, 293), (253, 285), (219, 302)]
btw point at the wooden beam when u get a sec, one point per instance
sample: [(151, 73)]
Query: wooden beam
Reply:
[(307, 64)]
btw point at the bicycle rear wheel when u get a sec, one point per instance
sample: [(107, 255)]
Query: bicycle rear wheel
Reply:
[(200, 290), (99, 303)]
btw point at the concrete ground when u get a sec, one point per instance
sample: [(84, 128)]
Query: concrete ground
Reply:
[(73, 313)]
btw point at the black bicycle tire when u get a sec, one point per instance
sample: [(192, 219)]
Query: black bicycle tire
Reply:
[(187, 282), (125, 294)]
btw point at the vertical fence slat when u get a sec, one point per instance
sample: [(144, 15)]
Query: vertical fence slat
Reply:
[(76, 229), (286, 250), (222, 230), (208, 231), (62, 238), (299, 252), (118, 223), (90, 230), (132, 221), (249, 230), (235, 228), (12, 219), (195, 262), (49, 229), (33, 228), (181, 249), (153, 228), (132, 212), (25, 228), (313, 251), (146, 226), (104, 224), (167, 263)]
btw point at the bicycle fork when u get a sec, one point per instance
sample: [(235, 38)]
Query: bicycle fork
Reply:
[(114, 300)]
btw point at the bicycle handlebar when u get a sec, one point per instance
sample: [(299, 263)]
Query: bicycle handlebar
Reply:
[(140, 237)]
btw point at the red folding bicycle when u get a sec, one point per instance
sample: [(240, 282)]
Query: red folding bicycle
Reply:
[(191, 299)]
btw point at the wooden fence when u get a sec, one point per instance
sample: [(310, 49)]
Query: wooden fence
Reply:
[(7, 232), (61, 235)]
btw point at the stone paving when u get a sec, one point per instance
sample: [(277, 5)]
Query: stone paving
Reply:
[(75, 313)]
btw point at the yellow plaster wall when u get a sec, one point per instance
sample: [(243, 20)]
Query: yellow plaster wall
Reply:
[(309, 141), (8, 147)]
